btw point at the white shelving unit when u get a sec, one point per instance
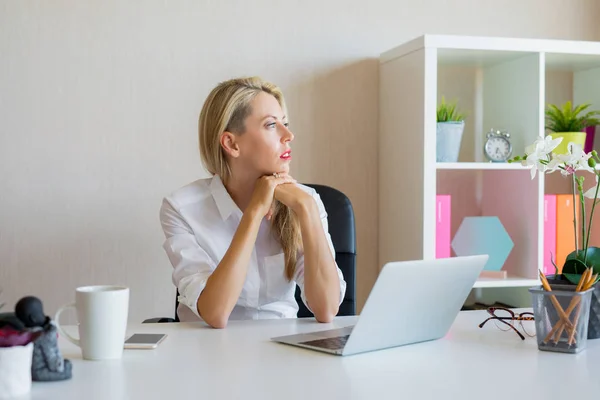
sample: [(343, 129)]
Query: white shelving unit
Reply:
[(479, 166), (502, 83)]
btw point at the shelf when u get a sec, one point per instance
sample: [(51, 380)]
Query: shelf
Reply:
[(510, 281), (480, 165), (571, 62), (476, 58), (500, 83), (475, 48)]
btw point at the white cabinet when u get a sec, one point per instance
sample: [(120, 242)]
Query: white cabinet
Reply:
[(502, 83)]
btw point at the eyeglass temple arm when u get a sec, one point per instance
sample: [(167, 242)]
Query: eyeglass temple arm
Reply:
[(504, 322)]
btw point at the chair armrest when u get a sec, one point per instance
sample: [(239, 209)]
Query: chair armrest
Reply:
[(158, 320)]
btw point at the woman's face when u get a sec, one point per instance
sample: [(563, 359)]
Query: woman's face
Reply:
[(264, 147)]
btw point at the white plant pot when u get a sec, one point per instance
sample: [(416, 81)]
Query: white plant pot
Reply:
[(15, 370), (449, 136)]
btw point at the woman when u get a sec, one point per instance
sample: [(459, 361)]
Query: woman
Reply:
[(239, 242)]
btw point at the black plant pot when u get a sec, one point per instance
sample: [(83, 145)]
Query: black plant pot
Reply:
[(594, 319)]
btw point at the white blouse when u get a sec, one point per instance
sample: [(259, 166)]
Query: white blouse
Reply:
[(199, 221)]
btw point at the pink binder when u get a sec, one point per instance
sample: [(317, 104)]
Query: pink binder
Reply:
[(442, 218), (549, 234)]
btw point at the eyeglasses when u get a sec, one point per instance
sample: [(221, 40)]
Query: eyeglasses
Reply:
[(504, 320)]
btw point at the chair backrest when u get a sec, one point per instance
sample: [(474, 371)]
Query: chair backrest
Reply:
[(340, 217)]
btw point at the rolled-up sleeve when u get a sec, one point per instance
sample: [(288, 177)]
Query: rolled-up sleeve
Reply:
[(191, 264), (299, 274)]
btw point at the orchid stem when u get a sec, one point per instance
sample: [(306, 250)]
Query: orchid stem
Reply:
[(587, 242), (575, 217), (583, 236)]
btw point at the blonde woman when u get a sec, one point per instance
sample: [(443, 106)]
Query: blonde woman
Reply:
[(240, 241)]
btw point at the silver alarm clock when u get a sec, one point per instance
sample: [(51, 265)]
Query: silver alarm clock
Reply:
[(497, 146)]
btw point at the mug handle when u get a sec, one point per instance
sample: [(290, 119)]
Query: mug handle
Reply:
[(71, 339)]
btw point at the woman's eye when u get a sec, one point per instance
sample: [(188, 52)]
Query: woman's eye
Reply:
[(274, 124)]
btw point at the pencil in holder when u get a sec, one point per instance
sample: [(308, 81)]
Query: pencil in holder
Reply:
[(561, 318)]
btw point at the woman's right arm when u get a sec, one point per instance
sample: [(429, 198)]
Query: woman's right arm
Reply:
[(224, 285)]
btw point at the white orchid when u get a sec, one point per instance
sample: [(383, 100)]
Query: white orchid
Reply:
[(539, 157), (543, 145), (575, 160), (591, 192)]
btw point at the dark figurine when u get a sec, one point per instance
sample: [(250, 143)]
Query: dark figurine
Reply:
[(48, 363)]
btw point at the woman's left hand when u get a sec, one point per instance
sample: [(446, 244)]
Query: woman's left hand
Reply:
[(293, 196)]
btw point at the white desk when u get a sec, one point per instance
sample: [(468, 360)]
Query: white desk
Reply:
[(240, 362)]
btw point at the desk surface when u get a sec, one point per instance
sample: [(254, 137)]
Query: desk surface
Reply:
[(240, 362)]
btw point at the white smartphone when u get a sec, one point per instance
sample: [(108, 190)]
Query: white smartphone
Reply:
[(144, 340)]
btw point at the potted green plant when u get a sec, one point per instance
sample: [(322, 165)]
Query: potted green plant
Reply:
[(569, 123), (540, 157), (450, 127)]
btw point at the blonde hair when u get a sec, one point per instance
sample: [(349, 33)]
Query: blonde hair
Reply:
[(226, 109)]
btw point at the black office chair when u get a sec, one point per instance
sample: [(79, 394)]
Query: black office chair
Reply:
[(343, 236)]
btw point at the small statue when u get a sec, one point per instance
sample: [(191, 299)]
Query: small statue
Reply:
[(48, 363)]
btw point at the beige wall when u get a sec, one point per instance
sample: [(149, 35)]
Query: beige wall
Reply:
[(99, 103)]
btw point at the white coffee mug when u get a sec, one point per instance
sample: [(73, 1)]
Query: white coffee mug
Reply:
[(102, 313)]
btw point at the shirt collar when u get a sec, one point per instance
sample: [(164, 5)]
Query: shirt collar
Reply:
[(224, 202)]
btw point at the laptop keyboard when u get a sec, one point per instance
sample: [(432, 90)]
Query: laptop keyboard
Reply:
[(333, 343)]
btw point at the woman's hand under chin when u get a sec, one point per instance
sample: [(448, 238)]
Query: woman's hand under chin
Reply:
[(294, 197)]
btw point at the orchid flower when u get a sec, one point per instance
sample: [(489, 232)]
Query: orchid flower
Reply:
[(575, 160), (591, 192), (537, 155)]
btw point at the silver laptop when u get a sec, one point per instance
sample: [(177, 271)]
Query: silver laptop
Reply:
[(411, 302)]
